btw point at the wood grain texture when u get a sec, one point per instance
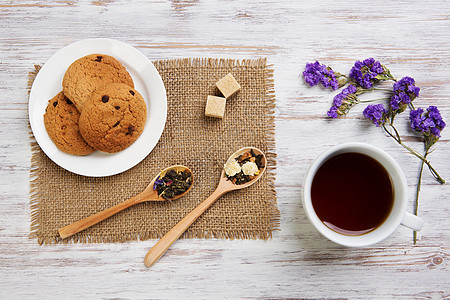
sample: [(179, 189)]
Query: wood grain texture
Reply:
[(411, 38)]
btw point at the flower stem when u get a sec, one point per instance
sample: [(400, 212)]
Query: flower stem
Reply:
[(397, 135), (432, 170), (416, 204), (413, 152), (395, 129)]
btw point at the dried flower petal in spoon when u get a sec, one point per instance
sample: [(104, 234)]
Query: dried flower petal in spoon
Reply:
[(244, 168), (173, 183)]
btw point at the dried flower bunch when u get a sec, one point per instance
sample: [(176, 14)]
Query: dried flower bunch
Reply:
[(363, 78)]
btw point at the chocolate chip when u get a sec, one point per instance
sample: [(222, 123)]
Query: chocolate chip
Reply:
[(115, 125), (131, 92), (68, 101), (130, 130), (117, 107), (55, 103), (105, 98), (99, 58)]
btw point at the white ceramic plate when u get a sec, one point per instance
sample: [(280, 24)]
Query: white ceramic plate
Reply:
[(147, 82)]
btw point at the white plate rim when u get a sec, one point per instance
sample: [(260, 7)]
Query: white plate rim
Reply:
[(147, 82)]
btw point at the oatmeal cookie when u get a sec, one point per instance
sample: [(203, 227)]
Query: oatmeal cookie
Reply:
[(61, 122), (113, 118), (91, 72)]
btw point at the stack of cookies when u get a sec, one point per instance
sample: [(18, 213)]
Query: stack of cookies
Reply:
[(98, 108)]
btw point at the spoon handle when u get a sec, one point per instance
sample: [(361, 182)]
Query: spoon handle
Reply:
[(81, 225), (170, 237)]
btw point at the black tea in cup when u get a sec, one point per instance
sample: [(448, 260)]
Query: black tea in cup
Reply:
[(352, 193)]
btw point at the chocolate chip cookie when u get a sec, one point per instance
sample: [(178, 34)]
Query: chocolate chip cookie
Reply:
[(113, 118), (61, 122), (90, 72)]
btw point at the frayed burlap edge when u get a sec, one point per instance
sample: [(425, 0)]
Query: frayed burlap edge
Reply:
[(35, 196), (271, 148), (271, 156)]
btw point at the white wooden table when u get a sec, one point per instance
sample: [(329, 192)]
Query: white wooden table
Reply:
[(411, 37)]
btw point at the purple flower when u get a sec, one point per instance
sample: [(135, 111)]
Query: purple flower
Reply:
[(376, 113), (316, 73), (376, 66), (332, 113), (158, 181), (365, 73), (416, 119), (407, 85), (351, 89), (343, 101), (405, 92), (430, 123), (395, 101)]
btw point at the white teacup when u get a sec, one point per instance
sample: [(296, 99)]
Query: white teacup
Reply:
[(398, 214)]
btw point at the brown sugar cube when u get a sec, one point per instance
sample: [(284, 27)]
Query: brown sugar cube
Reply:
[(228, 86), (215, 107)]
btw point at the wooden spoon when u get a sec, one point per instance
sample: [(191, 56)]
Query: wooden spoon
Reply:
[(147, 195), (223, 187)]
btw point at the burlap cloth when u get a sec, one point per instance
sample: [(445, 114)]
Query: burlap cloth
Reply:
[(59, 197)]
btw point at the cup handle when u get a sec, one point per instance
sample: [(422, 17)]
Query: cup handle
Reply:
[(412, 221)]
